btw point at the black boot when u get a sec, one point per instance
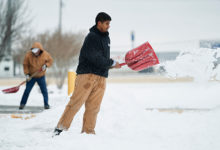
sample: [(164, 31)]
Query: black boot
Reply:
[(57, 131), (47, 107), (21, 107)]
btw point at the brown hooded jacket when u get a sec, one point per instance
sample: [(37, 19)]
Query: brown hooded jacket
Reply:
[(34, 63)]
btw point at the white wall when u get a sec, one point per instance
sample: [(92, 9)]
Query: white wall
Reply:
[(6, 67)]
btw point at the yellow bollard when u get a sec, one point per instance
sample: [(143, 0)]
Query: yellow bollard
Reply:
[(71, 82)]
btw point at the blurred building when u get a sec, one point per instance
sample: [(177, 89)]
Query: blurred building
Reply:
[(7, 66), (212, 44)]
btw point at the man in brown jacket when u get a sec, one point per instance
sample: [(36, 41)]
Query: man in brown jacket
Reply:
[(92, 71), (35, 62)]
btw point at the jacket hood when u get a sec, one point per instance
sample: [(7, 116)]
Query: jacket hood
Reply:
[(96, 30), (37, 45)]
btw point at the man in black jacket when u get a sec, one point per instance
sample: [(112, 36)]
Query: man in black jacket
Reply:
[(92, 71)]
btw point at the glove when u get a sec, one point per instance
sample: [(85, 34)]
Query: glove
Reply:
[(44, 67), (114, 63), (27, 76)]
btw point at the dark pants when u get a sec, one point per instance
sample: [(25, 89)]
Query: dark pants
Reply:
[(43, 87)]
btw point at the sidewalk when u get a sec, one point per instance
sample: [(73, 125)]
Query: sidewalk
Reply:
[(110, 79), (13, 109)]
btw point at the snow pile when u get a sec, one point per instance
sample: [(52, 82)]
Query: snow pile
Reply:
[(200, 64)]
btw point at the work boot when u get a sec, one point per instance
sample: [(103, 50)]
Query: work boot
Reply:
[(57, 132), (21, 107), (47, 107)]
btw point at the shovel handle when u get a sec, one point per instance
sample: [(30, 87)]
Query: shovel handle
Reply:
[(21, 83), (34, 74), (15, 89), (122, 64), (29, 78)]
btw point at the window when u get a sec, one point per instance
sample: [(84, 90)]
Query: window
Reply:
[(7, 59), (6, 69)]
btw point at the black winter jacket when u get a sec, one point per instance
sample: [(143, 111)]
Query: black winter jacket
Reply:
[(95, 54)]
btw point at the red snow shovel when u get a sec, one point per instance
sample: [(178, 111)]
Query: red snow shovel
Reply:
[(16, 88), (141, 58)]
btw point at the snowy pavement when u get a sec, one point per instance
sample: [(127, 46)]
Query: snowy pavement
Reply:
[(124, 121)]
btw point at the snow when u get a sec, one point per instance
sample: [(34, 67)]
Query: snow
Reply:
[(124, 121), (196, 63), (132, 114)]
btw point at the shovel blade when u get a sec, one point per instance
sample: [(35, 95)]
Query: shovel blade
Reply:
[(11, 90), (141, 58)]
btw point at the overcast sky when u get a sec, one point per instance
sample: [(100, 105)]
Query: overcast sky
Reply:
[(157, 21)]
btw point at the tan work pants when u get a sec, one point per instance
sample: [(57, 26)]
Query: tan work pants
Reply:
[(89, 89)]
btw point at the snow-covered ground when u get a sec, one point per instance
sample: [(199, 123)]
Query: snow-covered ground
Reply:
[(132, 115), (124, 121)]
